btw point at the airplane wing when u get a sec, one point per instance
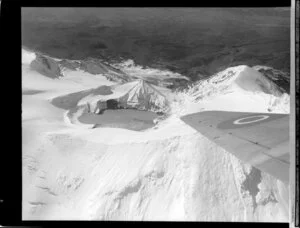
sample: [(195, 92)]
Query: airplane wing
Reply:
[(260, 139)]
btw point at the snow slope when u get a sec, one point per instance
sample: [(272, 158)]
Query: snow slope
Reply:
[(169, 172), (136, 94)]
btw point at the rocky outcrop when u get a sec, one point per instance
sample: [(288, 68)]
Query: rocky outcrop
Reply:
[(94, 66), (280, 78), (46, 66), (69, 64), (54, 68)]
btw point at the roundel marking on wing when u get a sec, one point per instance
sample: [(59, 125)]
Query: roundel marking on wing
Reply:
[(248, 121), (255, 119)]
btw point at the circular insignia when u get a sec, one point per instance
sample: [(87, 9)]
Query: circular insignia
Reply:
[(248, 120), (251, 119)]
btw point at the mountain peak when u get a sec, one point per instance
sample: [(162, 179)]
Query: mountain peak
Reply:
[(239, 88), (245, 78)]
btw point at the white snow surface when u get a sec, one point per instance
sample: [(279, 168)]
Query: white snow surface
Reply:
[(169, 172), (27, 56)]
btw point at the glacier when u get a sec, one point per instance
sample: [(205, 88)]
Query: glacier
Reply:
[(167, 173)]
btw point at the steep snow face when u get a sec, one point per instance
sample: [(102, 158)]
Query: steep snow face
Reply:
[(183, 177), (145, 97), (137, 94), (169, 172), (244, 78)]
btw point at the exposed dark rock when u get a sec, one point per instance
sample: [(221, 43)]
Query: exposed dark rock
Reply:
[(95, 66), (46, 66), (271, 198), (72, 65), (280, 78), (251, 184)]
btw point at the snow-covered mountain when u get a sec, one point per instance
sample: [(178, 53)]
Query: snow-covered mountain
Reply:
[(55, 68), (239, 88), (120, 72), (169, 172), (137, 94)]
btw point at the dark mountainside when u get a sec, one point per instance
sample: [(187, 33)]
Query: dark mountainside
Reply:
[(196, 42)]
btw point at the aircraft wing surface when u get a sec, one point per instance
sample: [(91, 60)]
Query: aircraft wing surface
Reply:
[(260, 139)]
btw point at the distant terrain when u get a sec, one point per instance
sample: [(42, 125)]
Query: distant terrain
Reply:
[(196, 42)]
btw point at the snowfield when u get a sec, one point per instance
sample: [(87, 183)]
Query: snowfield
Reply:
[(168, 172)]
